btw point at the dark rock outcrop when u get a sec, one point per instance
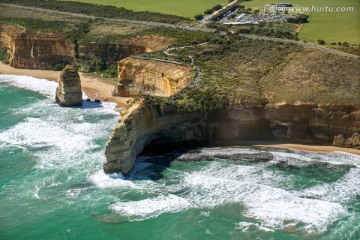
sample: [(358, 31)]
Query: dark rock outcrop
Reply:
[(69, 93)]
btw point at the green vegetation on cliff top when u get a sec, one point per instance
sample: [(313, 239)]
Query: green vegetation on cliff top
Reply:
[(184, 8), (100, 11), (237, 71)]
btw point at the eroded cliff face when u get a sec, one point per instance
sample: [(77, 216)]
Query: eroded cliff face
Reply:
[(324, 123), (34, 50), (138, 76), (141, 125), (41, 50), (302, 123)]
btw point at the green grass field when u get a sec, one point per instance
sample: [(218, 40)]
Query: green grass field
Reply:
[(184, 8), (330, 26)]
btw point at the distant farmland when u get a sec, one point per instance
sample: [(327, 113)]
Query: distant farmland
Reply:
[(184, 8), (330, 26)]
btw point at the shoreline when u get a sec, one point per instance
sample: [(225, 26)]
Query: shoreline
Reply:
[(94, 87), (307, 147)]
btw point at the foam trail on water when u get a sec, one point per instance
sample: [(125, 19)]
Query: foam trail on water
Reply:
[(151, 207), (102, 180), (42, 86), (273, 206)]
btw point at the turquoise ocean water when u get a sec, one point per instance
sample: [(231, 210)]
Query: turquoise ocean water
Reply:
[(52, 185)]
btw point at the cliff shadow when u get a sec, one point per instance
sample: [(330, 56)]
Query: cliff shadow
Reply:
[(155, 159), (91, 104)]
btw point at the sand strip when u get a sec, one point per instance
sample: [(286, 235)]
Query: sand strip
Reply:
[(310, 148), (94, 87)]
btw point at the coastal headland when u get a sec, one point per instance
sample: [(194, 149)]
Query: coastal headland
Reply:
[(193, 88)]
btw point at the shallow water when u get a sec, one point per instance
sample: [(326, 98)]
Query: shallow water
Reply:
[(52, 185)]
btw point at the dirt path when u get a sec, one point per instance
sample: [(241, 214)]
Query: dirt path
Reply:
[(196, 78)]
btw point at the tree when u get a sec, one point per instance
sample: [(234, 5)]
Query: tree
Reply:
[(199, 17), (209, 11), (217, 7), (320, 41)]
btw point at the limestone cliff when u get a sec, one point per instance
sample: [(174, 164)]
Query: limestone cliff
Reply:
[(304, 123), (141, 125), (150, 124), (138, 76), (69, 93), (34, 50), (325, 123), (43, 50)]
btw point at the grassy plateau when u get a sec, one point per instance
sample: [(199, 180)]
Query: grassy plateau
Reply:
[(184, 8)]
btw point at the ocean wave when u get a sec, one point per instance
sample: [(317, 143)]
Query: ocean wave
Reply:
[(48, 88), (151, 207), (266, 195), (41, 86)]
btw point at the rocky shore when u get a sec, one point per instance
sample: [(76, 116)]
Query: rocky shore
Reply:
[(161, 125)]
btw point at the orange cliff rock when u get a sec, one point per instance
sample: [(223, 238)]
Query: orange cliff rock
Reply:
[(69, 93), (138, 76), (34, 50)]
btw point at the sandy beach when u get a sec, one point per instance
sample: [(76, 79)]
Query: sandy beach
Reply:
[(92, 86), (310, 148)]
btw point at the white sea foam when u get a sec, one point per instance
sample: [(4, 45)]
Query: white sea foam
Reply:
[(247, 226), (342, 191), (258, 190), (48, 88), (59, 137), (42, 86), (151, 207), (254, 173), (102, 180), (272, 206)]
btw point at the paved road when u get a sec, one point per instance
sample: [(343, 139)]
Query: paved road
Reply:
[(207, 18), (157, 24)]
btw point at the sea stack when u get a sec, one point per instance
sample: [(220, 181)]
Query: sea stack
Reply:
[(68, 93)]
